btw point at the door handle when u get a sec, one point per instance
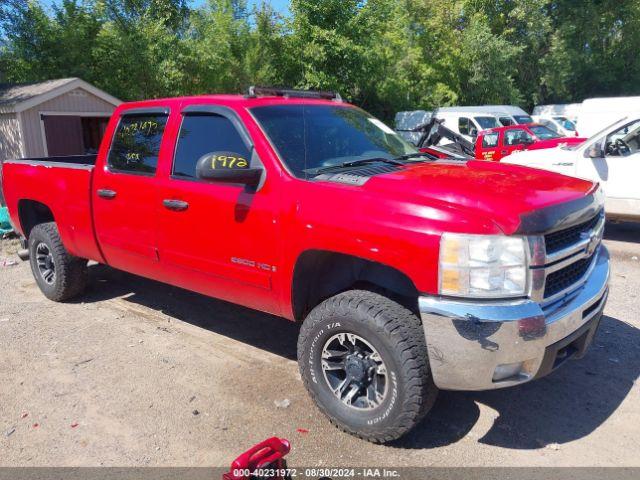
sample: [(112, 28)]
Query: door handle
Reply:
[(105, 193), (504, 152), (176, 205)]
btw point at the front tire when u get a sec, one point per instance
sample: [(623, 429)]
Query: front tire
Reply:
[(363, 359), (60, 275)]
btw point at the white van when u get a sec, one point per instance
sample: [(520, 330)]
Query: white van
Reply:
[(510, 115), (597, 113), (468, 121)]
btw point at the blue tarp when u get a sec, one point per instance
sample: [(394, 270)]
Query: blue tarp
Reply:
[(5, 225)]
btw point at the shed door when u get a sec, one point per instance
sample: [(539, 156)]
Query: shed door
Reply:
[(63, 135)]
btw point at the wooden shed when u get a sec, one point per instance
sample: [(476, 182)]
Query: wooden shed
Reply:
[(67, 116)]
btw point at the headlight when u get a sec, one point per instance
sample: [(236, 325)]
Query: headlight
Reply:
[(493, 266)]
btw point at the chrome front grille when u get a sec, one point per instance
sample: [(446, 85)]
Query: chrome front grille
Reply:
[(562, 260), (566, 277), (557, 241)]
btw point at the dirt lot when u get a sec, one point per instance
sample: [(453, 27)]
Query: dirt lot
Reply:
[(142, 374)]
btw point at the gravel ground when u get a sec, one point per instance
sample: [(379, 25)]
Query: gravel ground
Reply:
[(138, 373)]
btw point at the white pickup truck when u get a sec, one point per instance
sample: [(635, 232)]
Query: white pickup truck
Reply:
[(611, 157)]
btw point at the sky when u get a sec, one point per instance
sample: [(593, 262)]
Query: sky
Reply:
[(279, 5)]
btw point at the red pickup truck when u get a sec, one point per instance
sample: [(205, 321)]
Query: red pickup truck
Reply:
[(491, 144), (408, 273), (496, 143)]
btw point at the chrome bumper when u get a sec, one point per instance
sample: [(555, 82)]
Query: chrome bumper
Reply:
[(477, 345)]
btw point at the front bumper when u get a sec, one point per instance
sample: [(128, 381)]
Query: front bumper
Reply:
[(477, 345)]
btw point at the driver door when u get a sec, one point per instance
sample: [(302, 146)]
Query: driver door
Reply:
[(216, 238), (617, 169), (515, 139)]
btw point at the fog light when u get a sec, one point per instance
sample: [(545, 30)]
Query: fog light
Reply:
[(507, 370)]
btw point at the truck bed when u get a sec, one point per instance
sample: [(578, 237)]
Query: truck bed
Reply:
[(57, 187), (61, 161)]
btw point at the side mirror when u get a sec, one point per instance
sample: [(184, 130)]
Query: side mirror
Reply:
[(227, 167), (595, 151), (473, 133)]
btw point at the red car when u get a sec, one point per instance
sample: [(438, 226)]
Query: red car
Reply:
[(496, 143), (407, 273)]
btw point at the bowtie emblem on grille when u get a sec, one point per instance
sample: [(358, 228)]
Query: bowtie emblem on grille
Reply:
[(594, 241)]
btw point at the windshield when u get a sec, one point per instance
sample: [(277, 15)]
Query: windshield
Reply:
[(487, 122), (310, 137), (566, 123), (543, 133), (522, 119)]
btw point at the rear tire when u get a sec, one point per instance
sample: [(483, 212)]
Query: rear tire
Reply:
[(60, 275), (385, 387)]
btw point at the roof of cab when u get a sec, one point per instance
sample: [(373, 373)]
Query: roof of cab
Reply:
[(237, 101), (519, 126)]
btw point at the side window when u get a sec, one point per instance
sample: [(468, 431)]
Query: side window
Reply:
[(201, 134), (624, 141), (517, 137), (136, 143), (506, 121), (463, 125), (490, 140)]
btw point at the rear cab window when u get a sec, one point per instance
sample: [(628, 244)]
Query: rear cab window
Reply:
[(136, 143), (490, 140)]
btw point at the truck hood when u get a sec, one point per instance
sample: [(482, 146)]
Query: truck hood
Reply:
[(486, 191)]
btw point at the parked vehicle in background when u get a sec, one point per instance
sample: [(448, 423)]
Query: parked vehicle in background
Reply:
[(492, 144), (510, 115), (406, 123), (610, 157), (597, 113), (497, 143), (567, 110), (466, 121), (432, 137), (408, 273), (558, 123)]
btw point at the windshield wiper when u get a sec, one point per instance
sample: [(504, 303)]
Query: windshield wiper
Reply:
[(409, 156), (355, 163)]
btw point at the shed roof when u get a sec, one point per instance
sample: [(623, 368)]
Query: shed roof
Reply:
[(19, 97)]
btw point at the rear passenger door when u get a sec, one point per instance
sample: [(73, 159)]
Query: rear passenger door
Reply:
[(222, 241), (125, 195)]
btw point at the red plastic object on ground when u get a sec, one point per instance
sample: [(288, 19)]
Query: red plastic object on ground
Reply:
[(267, 455)]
